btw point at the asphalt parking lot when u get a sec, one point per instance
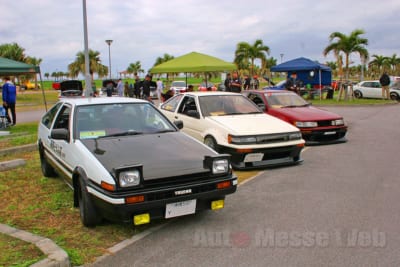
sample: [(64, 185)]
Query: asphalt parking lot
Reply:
[(339, 208)]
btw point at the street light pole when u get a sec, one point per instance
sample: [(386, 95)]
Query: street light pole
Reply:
[(281, 57), (88, 80), (109, 55)]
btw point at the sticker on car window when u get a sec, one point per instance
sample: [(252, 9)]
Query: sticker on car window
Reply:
[(91, 134)]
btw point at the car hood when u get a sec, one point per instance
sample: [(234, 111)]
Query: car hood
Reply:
[(306, 114), (162, 155), (249, 124)]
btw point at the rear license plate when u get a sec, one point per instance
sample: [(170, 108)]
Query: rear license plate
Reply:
[(329, 133), (253, 157), (180, 208)]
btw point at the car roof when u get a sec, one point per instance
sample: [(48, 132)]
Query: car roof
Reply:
[(208, 93), (81, 101)]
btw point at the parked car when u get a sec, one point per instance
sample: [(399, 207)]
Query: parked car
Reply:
[(28, 85), (178, 87), (207, 86), (317, 126), (373, 89), (279, 86), (231, 123), (71, 88), (125, 161)]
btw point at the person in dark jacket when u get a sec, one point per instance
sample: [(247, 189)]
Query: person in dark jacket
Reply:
[(385, 82), (146, 88), (137, 87), (9, 95)]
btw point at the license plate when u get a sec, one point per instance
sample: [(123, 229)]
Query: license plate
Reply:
[(180, 208), (329, 133), (253, 157)]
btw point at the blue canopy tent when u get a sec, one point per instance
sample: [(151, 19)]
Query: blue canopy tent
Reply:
[(308, 71)]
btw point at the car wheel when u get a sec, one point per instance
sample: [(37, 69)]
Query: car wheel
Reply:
[(210, 142), (357, 94), (47, 169), (87, 210), (394, 96)]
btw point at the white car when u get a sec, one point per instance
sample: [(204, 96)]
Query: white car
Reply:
[(127, 162), (178, 87), (373, 89), (230, 123)]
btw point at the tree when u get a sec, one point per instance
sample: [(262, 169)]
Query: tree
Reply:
[(378, 65), (95, 66), (246, 54), (347, 45), (12, 51), (166, 57), (394, 63), (135, 68)]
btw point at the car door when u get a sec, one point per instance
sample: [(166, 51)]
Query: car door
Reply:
[(376, 89), (62, 149), (188, 111)]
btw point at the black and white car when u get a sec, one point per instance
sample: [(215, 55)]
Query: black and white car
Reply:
[(125, 161)]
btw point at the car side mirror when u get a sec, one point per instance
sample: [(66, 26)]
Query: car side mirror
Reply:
[(179, 124), (193, 113), (60, 134)]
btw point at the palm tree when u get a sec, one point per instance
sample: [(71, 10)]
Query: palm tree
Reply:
[(166, 57), (12, 51), (347, 45), (379, 64), (135, 68), (393, 62), (247, 53), (95, 66), (36, 62)]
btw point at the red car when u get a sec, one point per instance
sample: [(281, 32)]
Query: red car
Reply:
[(316, 125)]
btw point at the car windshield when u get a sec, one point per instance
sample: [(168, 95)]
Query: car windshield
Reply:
[(178, 84), (219, 105), (122, 119), (279, 100)]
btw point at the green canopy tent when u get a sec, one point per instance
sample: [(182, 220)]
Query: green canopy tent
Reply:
[(193, 63), (10, 67)]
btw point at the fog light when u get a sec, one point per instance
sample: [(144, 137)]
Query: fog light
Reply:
[(217, 204), (141, 219)]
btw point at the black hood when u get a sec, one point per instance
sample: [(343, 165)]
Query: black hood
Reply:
[(162, 155)]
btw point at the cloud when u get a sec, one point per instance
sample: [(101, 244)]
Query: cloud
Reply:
[(143, 30)]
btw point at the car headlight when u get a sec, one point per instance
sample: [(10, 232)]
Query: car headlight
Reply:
[(295, 136), (338, 122), (240, 140), (306, 124), (129, 178), (218, 164)]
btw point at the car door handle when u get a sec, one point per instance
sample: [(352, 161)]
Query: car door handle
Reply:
[(176, 117)]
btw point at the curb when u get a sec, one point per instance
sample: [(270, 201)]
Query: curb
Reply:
[(24, 148), (56, 257)]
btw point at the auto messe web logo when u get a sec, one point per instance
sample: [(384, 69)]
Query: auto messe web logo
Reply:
[(270, 238)]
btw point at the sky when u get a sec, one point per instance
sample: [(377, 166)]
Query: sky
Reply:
[(143, 30)]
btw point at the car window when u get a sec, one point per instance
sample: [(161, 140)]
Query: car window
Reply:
[(219, 105), (278, 100), (95, 121), (178, 84), (188, 104), (255, 98), (172, 103), (48, 118), (63, 118)]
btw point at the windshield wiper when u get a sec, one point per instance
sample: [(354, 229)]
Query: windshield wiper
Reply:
[(130, 132), (165, 131), (291, 106), (232, 113)]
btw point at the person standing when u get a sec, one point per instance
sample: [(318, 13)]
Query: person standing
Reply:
[(246, 85), (227, 83), (385, 81), (109, 88), (137, 87), (160, 88), (255, 82), (236, 83), (9, 95), (146, 88), (120, 88)]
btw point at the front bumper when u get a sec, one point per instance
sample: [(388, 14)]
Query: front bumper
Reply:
[(156, 199), (271, 157), (327, 135)]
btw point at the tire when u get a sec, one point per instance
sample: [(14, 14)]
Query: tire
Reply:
[(87, 210), (210, 142), (394, 96), (358, 94), (47, 169)]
